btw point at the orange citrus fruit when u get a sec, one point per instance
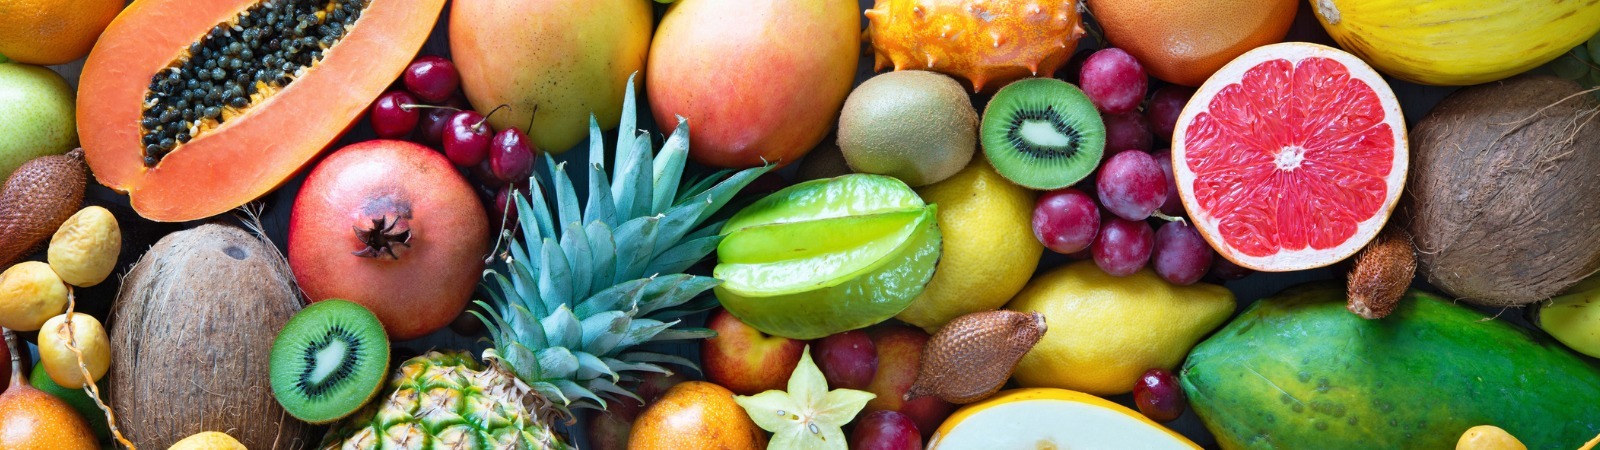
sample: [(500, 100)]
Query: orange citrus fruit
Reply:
[(1184, 42), (53, 31)]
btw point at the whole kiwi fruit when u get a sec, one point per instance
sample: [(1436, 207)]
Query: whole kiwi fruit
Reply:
[(1042, 133), (914, 125)]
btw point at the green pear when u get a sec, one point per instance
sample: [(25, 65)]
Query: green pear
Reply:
[(37, 105)]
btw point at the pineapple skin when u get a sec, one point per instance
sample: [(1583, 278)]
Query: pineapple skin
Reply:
[(447, 400)]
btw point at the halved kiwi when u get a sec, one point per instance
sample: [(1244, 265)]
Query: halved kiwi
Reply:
[(329, 361), (1042, 133)]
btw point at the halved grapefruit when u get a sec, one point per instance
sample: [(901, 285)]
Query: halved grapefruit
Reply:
[(1290, 157)]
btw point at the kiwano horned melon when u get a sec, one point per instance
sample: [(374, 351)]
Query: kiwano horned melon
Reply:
[(196, 107), (987, 42)]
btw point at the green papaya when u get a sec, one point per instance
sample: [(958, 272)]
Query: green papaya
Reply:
[(1299, 371)]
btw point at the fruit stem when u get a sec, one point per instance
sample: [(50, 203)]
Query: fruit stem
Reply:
[(89, 386), (1163, 216), (16, 358), (411, 106), (486, 117)]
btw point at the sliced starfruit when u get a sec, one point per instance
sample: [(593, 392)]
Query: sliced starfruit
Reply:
[(827, 256)]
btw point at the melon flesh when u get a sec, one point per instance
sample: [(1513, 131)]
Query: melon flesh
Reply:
[(1055, 424)]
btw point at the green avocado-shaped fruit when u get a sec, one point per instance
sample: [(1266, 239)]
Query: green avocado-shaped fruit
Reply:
[(37, 107), (1299, 371), (913, 125)]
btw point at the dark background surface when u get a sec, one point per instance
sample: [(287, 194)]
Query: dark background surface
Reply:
[(1415, 100)]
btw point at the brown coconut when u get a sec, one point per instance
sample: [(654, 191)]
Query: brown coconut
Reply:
[(1505, 191), (191, 332)]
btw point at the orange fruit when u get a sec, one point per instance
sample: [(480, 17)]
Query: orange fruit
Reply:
[(1184, 42), (52, 31), (696, 414)]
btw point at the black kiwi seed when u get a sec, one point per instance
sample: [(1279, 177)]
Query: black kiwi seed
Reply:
[(328, 361), (1042, 133)]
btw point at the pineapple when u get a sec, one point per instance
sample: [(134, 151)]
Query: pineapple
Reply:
[(577, 290)]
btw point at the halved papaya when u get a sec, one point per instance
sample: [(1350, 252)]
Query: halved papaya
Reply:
[(196, 107)]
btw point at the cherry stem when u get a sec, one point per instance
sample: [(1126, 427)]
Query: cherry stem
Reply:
[(410, 106), (490, 114), (531, 117)]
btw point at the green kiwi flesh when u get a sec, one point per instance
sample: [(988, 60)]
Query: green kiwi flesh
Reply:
[(1042, 133), (329, 361)]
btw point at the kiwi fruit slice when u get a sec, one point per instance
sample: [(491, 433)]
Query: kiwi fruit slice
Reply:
[(329, 361), (1042, 133)]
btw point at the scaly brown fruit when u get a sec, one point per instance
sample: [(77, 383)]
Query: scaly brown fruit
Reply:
[(987, 42), (973, 355), (1381, 274), (36, 199)]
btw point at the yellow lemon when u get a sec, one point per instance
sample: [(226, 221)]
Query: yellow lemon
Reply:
[(989, 248), (1052, 418), (1105, 331)]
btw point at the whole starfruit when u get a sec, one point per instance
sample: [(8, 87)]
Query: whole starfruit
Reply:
[(987, 42)]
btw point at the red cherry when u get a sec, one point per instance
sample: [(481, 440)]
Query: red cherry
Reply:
[(432, 78), (511, 156), (392, 116), (466, 138), (1158, 396)]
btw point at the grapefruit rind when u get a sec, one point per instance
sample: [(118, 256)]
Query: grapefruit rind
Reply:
[(1052, 418), (1289, 259)]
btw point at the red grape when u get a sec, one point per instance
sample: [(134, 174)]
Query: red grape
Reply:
[(466, 139), (848, 360), (1165, 106), (432, 78), (392, 117), (1181, 256), (1123, 246), (1174, 205), (511, 156), (1066, 220), (1127, 131), (886, 430), (1158, 396), (1113, 80), (1131, 185)]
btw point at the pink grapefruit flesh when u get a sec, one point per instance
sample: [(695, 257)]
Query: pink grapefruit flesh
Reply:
[(1290, 157)]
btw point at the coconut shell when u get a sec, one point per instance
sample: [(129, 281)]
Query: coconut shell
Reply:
[(191, 335), (36, 199), (1504, 196), (973, 355)]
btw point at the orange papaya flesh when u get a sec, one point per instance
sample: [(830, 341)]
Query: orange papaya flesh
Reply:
[(253, 149)]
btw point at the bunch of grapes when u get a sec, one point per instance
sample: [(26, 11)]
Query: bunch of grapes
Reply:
[(1127, 214), (1581, 64)]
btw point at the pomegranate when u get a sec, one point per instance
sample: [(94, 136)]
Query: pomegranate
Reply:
[(390, 225)]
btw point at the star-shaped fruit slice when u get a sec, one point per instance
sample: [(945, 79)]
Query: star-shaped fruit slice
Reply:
[(808, 416)]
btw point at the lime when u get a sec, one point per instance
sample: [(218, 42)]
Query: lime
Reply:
[(827, 256)]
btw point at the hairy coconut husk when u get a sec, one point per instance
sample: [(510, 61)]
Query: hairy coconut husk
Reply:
[(191, 332), (1504, 192)]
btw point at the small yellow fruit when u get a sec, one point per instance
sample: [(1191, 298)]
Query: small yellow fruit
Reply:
[(58, 360), (1488, 437), (84, 250), (30, 294), (208, 440), (1106, 331), (989, 249)]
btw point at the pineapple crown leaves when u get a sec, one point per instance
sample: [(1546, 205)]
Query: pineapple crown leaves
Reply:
[(579, 287)]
